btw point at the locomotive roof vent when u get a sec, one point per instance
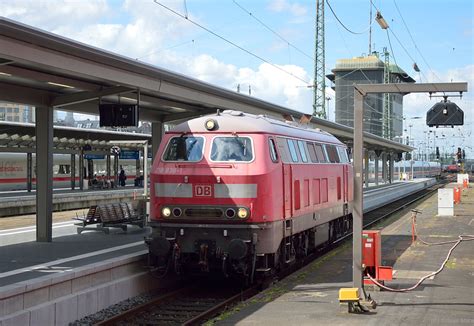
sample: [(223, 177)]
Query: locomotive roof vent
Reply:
[(234, 113)]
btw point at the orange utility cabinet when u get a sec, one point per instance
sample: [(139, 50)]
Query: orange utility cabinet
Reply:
[(372, 257), (457, 195)]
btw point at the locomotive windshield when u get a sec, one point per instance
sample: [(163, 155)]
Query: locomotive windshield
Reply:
[(184, 148), (231, 149)]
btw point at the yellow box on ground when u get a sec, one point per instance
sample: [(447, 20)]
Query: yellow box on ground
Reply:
[(348, 294)]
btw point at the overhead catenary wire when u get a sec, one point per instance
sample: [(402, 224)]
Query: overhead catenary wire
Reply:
[(272, 31), (402, 46), (230, 42), (413, 40), (165, 49), (342, 24)]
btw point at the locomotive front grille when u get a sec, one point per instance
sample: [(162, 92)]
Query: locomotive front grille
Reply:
[(204, 212)]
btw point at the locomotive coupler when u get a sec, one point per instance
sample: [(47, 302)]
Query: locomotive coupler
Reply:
[(203, 257)]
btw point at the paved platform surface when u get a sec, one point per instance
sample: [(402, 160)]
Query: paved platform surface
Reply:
[(28, 260), (310, 297)]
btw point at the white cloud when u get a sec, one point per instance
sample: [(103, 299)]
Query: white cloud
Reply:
[(294, 8), (52, 14)]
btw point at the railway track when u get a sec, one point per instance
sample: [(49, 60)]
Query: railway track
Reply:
[(195, 304), (187, 306)]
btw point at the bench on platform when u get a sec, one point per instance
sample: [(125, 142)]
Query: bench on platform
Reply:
[(116, 215)]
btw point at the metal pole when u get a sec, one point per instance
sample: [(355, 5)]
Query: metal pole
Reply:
[(384, 168), (44, 174), (404, 165), (73, 171), (29, 169), (116, 166), (81, 170), (358, 191), (390, 167), (107, 168), (376, 169), (145, 170), (156, 136), (366, 168)]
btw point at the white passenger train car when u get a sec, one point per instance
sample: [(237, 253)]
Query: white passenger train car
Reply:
[(13, 170)]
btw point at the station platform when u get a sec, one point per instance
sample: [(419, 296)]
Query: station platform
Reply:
[(310, 296), (19, 251), (64, 199)]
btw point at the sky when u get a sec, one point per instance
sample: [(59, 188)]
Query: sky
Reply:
[(276, 39)]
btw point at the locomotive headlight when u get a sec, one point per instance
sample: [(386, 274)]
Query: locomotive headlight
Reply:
[(166, 212), (211, 124), (243, 212)]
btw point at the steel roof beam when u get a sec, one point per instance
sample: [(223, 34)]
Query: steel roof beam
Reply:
[(81, 97), (25, 95), (21, 72)]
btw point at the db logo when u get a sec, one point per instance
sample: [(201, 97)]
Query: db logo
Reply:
[(203, 191)]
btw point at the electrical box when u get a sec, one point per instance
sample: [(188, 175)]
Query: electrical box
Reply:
[(371, 250), (372, 257), (445, 202)]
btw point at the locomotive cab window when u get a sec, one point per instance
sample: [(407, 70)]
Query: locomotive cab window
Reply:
[(235, 148), (332, 154), (343, 155), (184, 148), (273, 152)]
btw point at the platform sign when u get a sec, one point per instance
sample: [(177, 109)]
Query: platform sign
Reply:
[(129, 155), (94, 156), (445, 202)]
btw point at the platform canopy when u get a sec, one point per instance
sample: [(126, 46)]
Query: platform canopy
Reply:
[(43, 69), (20, 137)]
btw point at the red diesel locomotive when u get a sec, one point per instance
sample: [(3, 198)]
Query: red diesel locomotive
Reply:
[(246, 194)]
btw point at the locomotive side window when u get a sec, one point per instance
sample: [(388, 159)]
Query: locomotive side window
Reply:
[(292, 147), (332, 153), (320, 153), (301, 146), (283, 147), (184, 148), (273, 152), (312, 153), (343, 155), (234, 148)]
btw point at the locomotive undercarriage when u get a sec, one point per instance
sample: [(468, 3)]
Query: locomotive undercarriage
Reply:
[(245, 251)]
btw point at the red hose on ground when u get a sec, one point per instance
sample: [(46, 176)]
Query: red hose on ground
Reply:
[(461, 238)]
